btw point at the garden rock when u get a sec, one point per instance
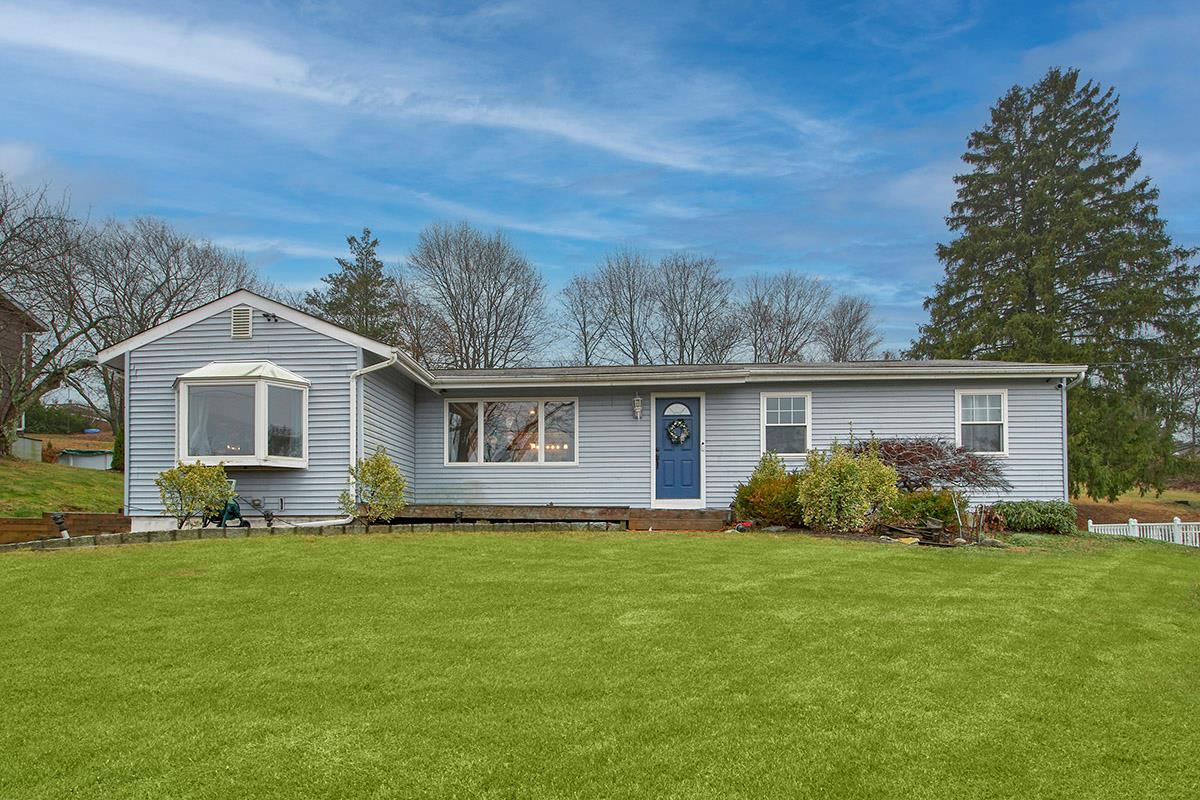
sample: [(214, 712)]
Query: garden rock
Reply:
[(991, 543), (960, 540), (774, 528)]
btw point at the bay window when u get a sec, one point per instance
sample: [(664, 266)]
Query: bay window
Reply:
[(982, 421), (243, 414), (516, 431)]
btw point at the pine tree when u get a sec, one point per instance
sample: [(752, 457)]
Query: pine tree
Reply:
[(361, 295), (1061, 256)]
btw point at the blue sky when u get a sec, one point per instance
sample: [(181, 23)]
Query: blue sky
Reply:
[(820, 137)]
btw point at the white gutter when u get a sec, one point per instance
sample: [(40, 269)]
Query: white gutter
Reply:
[(354, 376), (1066, 387), (753, 375)]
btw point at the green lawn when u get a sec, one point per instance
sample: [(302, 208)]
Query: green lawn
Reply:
[(31, 488), (600, 665)]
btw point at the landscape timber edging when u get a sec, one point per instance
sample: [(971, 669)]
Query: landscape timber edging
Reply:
[(194, 534)]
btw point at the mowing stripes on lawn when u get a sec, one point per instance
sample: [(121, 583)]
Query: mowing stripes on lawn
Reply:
[(599, 665)]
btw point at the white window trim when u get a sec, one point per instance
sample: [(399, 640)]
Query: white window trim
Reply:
[(958, 421), (260, 458), (479, 462), (762, 421), (684, 503)]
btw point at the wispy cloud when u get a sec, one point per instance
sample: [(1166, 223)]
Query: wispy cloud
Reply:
[(576, 225), (278, 247), (19, 159), (928, 188), (650, 134), (162, 45)]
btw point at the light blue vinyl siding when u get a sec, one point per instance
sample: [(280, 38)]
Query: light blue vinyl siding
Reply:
[(326, 362), (389, 420), (887, 409), (614, 452), (614, 448)]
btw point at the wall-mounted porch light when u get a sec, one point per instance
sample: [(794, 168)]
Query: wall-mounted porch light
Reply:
[(637, 406)]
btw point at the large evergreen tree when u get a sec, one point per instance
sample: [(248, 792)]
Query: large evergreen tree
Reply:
[(361, 295), (1060, 255)]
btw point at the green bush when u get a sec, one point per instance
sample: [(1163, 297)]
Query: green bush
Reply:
[(845, 490), (378, 489), (771, 496), (193, 491), (1038, 516), (917, 506)]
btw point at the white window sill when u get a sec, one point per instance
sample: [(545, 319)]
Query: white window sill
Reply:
[(242, 461), (507, 464)]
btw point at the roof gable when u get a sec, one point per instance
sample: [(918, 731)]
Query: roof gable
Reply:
[(14, 308), (112, 356)]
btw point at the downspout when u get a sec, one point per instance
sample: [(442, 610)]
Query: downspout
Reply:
[(354, 376), (1066, 462)]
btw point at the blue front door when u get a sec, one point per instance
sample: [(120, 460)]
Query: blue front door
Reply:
[(677, 448)]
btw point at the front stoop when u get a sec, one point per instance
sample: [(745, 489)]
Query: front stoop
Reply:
[(669, 519)]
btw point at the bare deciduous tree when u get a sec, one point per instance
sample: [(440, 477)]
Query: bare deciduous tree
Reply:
[(782, 314), (41, 248), (488, 299), (136, 275), (848, 331), (721, 340), (693, 302), (628, 286), (583, 315), (420, 327)]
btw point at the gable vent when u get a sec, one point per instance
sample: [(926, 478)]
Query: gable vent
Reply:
[(241, 322)]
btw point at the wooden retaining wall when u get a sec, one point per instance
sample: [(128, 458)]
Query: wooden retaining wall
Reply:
[(27, 529)]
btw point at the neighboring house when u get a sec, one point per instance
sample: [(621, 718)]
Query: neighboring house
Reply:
[(287, 402), (17, 325)]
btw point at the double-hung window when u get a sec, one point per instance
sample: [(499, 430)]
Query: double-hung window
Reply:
[(982, 421), (245, 413), (517, 431), (786, 428)]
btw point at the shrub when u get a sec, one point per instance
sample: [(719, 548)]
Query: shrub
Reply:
[(49, 451), (193, 491), (378, 489), (846, 490), (1038, 516), (771, 496), (916, 507), (118, 456), (935, 463)]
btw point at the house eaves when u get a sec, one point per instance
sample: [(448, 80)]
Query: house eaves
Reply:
[(746, 373)]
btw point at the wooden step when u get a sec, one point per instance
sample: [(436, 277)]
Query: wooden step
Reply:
[(668, 521)]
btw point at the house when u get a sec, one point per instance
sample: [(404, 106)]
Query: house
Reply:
[(17, 325), (288, 401)]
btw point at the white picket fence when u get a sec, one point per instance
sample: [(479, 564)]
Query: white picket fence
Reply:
[(1175, 531)]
